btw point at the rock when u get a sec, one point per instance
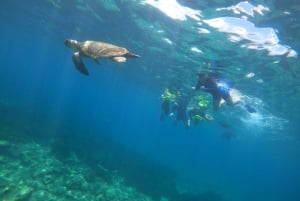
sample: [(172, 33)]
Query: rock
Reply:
[(4, 146), (76, 182), (4, 143), (16, 193)]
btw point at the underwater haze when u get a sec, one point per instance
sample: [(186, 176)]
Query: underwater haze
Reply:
[(68, 136)]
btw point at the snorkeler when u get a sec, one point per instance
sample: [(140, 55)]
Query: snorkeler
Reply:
[(174, 104), (168, 102), (180, 109), (220, 89), (197, 109)]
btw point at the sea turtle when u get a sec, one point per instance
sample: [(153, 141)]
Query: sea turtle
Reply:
[(96, 50)]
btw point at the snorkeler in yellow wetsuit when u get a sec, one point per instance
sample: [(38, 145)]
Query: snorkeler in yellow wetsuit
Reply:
[(168, 100), (197, 109)]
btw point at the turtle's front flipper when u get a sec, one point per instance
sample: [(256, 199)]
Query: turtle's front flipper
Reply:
[(97, 61), (79, 64)]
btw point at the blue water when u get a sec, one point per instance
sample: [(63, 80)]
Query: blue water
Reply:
[(239, 156)]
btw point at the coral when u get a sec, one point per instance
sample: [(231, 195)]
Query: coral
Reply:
[(32, 173), (16, 192), (4, 146)]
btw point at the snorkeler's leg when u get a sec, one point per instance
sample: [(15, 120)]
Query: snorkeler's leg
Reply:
[(165, 107), (217, 103), (229, 100), (235, 96), (189, 117)]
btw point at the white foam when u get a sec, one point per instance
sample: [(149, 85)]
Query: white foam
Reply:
[(246, 8), (174, 10), (203, 31), (250, 75), (258, 38), (195, 49), (168, 41)]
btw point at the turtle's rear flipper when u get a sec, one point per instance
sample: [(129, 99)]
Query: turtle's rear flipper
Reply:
[(119, 59), (130, 54), (79, 64)]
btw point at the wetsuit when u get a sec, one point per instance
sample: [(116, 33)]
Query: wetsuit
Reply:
[(218, 88)]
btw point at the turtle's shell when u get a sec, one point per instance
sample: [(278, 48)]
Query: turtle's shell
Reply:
[(95, 50)]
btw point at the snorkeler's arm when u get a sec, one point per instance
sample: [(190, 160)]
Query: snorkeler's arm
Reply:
[(174, 107), (198, 86)]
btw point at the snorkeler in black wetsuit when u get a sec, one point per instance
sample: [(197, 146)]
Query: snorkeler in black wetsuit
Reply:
[(217, 87), (181, 110)]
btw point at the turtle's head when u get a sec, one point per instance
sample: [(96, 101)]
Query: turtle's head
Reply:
[(74, 44)]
